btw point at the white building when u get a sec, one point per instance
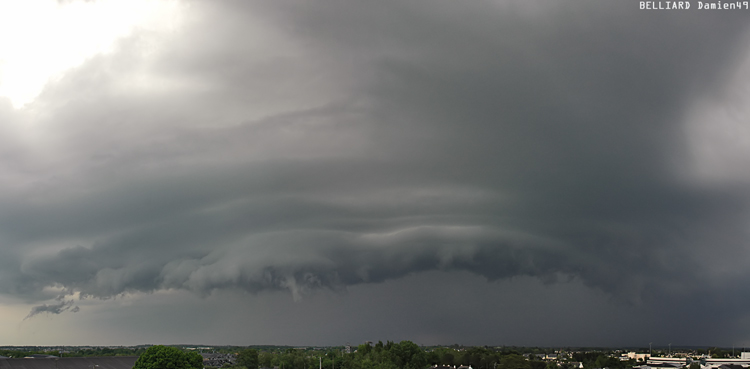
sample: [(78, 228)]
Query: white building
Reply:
[(635, 356)]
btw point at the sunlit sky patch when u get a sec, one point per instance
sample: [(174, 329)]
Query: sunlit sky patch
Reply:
[(39, 39)]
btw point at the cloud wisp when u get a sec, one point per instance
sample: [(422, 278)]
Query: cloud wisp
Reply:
[(62, 306)]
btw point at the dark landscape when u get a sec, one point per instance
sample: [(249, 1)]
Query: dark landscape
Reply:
[(379, 355)]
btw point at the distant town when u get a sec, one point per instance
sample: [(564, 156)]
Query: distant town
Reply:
[(368, 355)]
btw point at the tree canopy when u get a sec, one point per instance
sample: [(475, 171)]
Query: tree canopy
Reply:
[(165, 357), (248, 358)]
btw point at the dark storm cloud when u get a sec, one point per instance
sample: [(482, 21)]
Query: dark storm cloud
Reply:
[(298, 146)]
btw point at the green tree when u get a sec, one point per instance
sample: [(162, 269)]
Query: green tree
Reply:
[(447, 359), (379, 346), (248, 358), (165, 357), (537, 364), (194, 360), (513, 361), (364, 349), (264, 359), (408, 355)]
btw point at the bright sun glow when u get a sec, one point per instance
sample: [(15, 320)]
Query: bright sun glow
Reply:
[(40, 39)]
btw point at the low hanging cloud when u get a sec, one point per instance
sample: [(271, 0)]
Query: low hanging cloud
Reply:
[(62, 306), (354, 143)]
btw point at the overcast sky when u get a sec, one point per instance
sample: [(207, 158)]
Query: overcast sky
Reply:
[(489, 172)]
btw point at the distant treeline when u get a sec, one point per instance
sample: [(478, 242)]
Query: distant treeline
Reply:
[(75, 352), (407, 355), (388, 355)]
